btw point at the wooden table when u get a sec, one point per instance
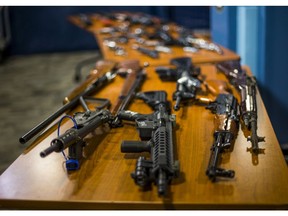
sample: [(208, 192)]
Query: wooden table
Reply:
[(104, 181), (203, 56)]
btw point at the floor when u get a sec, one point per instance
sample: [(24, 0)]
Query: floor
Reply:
[(32, 88)]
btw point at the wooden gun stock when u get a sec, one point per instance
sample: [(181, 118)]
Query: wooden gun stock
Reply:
[(132, 69), (101, 68), (222, 122)]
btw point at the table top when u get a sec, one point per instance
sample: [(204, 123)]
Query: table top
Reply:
[(104, 181), (202, 56)]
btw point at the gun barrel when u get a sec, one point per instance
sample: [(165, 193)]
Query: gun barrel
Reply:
[(74, 135), (49, 150), (42, 125), (162, 183), (176, 107), (254, 138), (30, 134)]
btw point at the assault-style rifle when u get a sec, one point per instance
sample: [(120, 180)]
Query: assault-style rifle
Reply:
[(186, 76), (156, 132), (247, 87), (226, 110), (88, 121), (102, 78)]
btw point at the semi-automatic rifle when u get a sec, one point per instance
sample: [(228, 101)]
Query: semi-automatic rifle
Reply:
[(88, 121), (156, 132), (99, 80), (101, 67), (226, 110), (186, 76), (247, 87)]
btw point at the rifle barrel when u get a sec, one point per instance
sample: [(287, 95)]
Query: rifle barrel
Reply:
[(30, 134), (89, 90)]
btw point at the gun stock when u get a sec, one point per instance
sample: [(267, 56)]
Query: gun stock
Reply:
[(134, 79), (101, 68)]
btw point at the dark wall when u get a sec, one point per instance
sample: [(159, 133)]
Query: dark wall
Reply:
[(275, 91), (44, 29)]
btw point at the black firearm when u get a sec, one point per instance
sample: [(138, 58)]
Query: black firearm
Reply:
[(156, 132), (186, 76), (148, 52), (88, 121), (226, 122), (247, 87), (104, 77), (133, 82), (163, 36)]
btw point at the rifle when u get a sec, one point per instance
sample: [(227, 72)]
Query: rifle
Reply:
[(246, 85), (88, 121), (103, 78), (186, 76), (134, 79), (101, 67), (226, 124), (156, 132)]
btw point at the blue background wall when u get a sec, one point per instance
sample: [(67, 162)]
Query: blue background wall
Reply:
[(275, 86), (46, 29)]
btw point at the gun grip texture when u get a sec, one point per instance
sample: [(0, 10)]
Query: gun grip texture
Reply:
[(135, 146)]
